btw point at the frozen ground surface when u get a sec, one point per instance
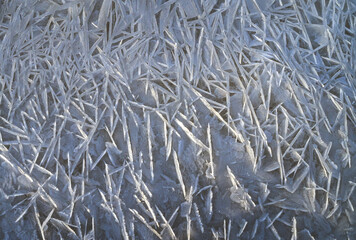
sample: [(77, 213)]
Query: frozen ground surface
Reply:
[(177, 119)]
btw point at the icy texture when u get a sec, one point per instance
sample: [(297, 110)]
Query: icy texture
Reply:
[(177, 119)]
